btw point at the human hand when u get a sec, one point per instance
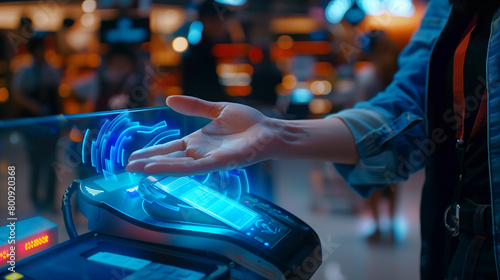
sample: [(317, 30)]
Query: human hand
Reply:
[(237, 136)]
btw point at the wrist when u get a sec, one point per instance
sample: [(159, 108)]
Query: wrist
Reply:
[(322, 139), (284, 135)]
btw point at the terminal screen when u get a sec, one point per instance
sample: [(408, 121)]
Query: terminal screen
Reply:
[(208, 201)]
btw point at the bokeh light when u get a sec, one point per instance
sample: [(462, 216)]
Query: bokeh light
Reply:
[(4, 95), (180, 44), (93, 60), (320, 106), (232, 2), (195, 31), (289, 81), (14, 138), (403, 8), (285, 42), (336, 9), (321, 87), (370, 7), (87, 20), (301, 95), (89, 6), (64, 90), (255, 55)]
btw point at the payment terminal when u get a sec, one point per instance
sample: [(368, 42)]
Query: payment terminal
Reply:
[(258, 239)]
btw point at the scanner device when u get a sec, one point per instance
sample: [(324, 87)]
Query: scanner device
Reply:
[(212, 213)]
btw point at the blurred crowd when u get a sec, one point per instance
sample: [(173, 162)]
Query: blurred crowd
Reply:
[(292, 75), (222, 54)]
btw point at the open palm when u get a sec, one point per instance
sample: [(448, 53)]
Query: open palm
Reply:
[(237, 136)]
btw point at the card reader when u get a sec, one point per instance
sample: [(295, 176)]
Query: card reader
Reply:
[(257, 238)]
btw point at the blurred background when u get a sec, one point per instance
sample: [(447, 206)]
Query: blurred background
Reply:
[(289, 59)]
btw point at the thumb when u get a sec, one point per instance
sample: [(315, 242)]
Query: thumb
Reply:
[(196, 107)]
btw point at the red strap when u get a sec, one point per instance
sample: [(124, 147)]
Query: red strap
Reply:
[(458, 87)]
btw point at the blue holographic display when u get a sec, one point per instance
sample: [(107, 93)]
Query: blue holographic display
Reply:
[(118, 138), (208, 201)]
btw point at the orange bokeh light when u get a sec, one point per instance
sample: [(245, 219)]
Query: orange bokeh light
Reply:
[(285, 42), (64, 90), (4, 95), (71, 107), (238, 90), (289, 82), (93, 60)]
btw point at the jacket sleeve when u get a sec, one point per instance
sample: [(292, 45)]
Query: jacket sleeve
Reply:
[(389, 129)]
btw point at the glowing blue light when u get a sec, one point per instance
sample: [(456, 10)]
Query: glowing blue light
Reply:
[(133, 189), (355, 15), (195, 31), (84, 141), (123, 157), (116, 141), (245, 183), (153, 128), (125, 32), (371, 7), (266, 244), (208, 201), (133, 192), (301, 95), (206, 179), (162, 136), (110, 177), (336, 9), (403, 8), (400, 227), (232, 2)]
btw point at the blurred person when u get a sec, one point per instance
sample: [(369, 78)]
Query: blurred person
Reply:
[(117, 84), (419, 120), (35, 86), (383, 54), (266, 77), (35, 94), (199, 75)]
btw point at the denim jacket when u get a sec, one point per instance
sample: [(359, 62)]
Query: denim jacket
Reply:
[(396, 133)]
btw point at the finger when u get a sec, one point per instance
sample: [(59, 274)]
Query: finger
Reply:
[(139, 164), (182, 168), (163, 149), (136, 165), (196, 107), (178, 154)]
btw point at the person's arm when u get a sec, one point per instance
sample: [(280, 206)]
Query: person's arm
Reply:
[(324, 139), (389, 129), (239, 136)]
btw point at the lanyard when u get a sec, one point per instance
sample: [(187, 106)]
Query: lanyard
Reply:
[(458, 88), (459, 110)]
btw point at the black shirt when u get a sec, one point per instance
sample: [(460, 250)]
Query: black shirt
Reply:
[(476, 174)]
